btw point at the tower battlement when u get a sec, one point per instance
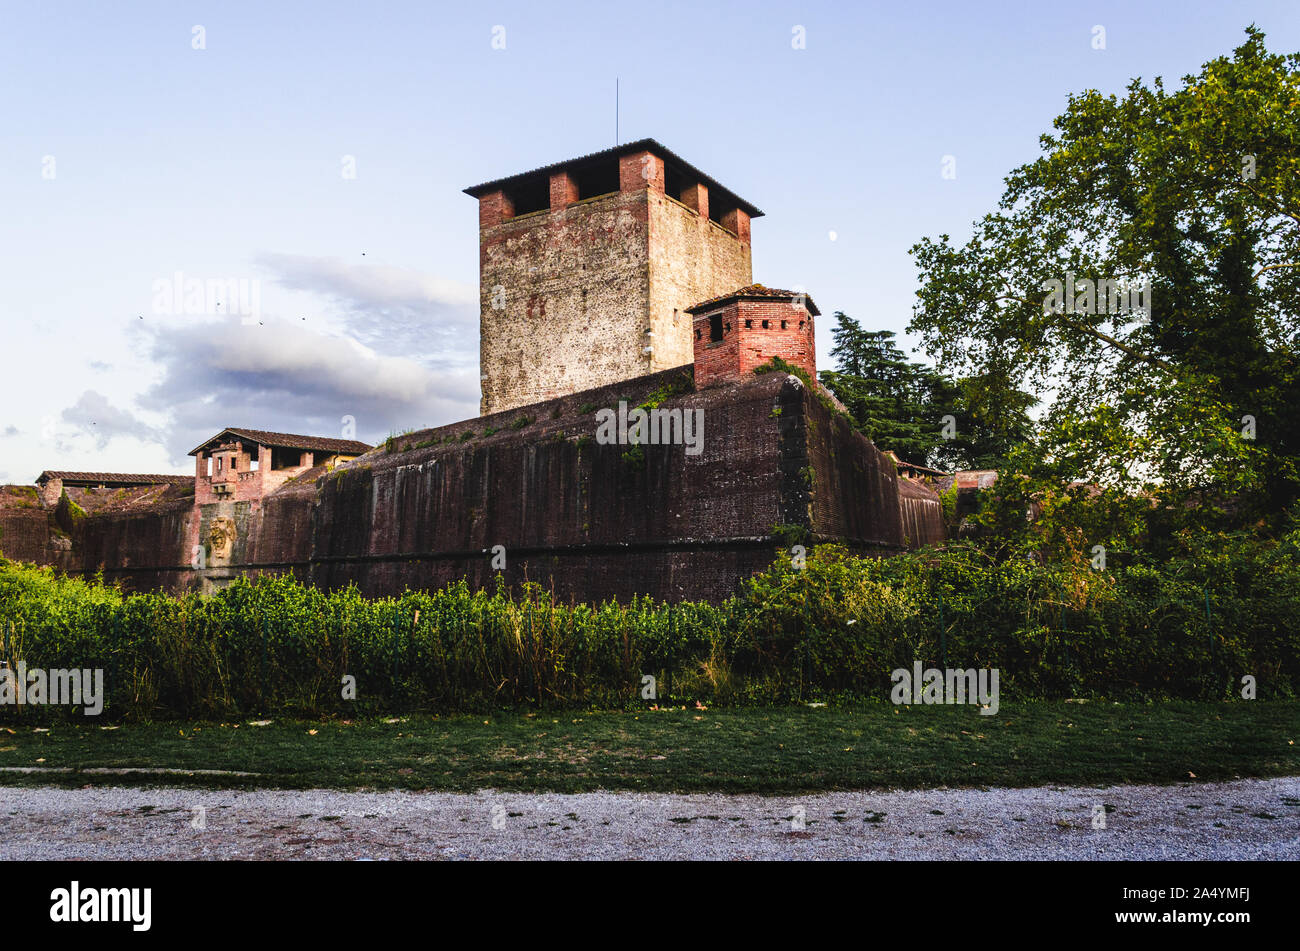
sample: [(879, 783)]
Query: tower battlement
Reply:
[(587, 268)]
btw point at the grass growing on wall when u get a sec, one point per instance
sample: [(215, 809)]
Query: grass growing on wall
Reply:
[(832, 631)]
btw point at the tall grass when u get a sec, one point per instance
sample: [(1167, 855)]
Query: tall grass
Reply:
[(834, 629)]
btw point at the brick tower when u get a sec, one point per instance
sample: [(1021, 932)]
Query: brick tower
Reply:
[(587, 268), (747, 327)]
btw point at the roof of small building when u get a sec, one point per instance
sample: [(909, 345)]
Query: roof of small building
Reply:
[(111, 478), (288, 441), (975, 478), (640, 145), (755, 292), (913, 467)]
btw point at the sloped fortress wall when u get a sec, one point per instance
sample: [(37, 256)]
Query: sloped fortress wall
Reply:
[(144, 548), (586, 519), (593, 521), (25, 530)]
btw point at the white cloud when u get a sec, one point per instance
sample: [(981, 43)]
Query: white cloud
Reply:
[(283, 376), (405, 356), (392, 310), (93, 415), (372, 285)]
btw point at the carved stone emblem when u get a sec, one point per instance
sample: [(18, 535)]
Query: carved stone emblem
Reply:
[(221, 538)]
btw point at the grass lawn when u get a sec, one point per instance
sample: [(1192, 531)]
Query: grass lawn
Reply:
[(754, 750)]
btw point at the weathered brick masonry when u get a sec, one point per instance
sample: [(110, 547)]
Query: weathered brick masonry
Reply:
[(587, 268), (585, 520), (741, 331)]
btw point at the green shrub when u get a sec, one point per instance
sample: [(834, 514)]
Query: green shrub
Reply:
[(1189, 627)]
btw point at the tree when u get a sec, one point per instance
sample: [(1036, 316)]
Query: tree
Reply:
[(886, 394), (1144, 273), (923, 416), (991, 417)]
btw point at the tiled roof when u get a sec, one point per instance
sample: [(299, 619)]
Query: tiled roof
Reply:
[(640, 145), (112, 478), (756, 292), (975, 478), (289, 441), (913, 467)]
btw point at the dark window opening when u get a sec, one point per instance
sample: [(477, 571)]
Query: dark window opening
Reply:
[(529, 196), (718, 210), (675, 183), (749, 324), (285, 458), (715, 328), (598, 179), (765, 325), (697, 333), (783, 325)]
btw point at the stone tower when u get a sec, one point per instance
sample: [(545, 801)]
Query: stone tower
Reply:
[(587, 267)]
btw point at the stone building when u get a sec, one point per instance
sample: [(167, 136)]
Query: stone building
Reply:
[(738, 332), (235, 469), (587, 268), (242, 465)]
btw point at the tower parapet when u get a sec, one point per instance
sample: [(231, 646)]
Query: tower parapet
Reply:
[(586, 268)]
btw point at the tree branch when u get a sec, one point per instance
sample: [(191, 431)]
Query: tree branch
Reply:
[(1105, 338), (1273, 267), (1277, 204)]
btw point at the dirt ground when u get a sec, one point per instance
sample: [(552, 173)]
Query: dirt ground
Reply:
[(1243, 820)]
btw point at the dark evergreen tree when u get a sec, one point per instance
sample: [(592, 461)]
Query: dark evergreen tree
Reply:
[(904, 406)]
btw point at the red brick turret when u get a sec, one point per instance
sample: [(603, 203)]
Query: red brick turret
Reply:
[(737, 332)]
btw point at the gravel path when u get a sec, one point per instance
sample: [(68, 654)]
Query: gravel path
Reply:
[(1247, 819)]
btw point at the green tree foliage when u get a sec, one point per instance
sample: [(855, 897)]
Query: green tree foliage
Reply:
[(901, 404), (888, 396), (1196, 191)]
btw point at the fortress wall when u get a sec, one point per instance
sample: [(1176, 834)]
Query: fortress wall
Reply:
[(570, 512), (855, 495), (143, 550), (25, 534), (139, 537), (590, 523), (586, 520), (281, 530), (922, 514)]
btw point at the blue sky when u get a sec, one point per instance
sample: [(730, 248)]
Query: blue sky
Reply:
[(129, 156)]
